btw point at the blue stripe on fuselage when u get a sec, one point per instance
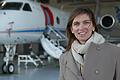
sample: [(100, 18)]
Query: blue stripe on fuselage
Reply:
[(28, 30), (37, 30)]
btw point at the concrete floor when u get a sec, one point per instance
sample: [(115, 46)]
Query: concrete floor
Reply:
[(45, 73), (50, 71)]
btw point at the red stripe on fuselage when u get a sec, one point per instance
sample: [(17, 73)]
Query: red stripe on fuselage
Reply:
[(46, 11)]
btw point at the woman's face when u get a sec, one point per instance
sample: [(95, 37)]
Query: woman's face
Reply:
[(82, 27)]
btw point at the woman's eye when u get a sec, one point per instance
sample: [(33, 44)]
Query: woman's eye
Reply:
[(83, 23), (86, 22), (76, 24)]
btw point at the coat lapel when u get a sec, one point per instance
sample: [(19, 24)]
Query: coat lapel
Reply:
[(72, 65)]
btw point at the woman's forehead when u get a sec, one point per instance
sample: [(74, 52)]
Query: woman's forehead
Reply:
[(81, 17)]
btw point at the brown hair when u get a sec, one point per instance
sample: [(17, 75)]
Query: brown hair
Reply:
[(75, 13)]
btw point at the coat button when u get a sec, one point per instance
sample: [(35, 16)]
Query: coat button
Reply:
[(97, 71), (98, 48)]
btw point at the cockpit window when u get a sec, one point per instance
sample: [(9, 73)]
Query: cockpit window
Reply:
[(10, 5), (27, 7)]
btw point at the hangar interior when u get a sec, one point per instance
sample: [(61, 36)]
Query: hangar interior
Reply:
[(68, 6), (100, 7)]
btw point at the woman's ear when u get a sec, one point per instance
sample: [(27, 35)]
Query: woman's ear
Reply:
[(93, 29)]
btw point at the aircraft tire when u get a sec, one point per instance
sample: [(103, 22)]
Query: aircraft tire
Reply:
[(4, 68), (11, 68)]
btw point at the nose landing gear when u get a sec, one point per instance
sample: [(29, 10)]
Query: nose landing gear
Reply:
[(8, 66)]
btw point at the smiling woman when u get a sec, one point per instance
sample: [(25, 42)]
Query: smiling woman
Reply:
[(82, 27), (88, 56)]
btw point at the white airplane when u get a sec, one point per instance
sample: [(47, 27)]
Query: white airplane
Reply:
[(24, 21)]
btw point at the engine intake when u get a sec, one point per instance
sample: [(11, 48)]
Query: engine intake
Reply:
[(107, 21)]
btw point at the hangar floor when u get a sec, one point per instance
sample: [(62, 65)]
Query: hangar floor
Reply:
[(50, 71)]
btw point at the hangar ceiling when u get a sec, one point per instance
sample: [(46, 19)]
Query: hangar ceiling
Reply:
[(69, 4), (73, 1)]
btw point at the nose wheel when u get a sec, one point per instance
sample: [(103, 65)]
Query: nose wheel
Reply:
[(10, 68)]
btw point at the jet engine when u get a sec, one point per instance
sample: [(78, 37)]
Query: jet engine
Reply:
[(107, 21)]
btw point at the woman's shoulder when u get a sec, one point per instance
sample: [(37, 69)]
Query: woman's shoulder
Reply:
[(112, 45), (107, 44), (63, 57), (65, 54)]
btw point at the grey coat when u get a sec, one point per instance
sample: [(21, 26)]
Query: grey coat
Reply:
[(102, 63)]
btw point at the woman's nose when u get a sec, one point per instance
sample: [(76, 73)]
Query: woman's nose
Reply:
[(81, 26)]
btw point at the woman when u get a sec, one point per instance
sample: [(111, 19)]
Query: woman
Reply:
[(88, 56)]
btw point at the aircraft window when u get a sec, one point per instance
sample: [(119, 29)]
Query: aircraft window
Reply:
[(58, 20), (10, 6), (27, 7)]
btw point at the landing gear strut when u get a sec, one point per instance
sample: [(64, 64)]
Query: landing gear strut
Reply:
[(8, 66)]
